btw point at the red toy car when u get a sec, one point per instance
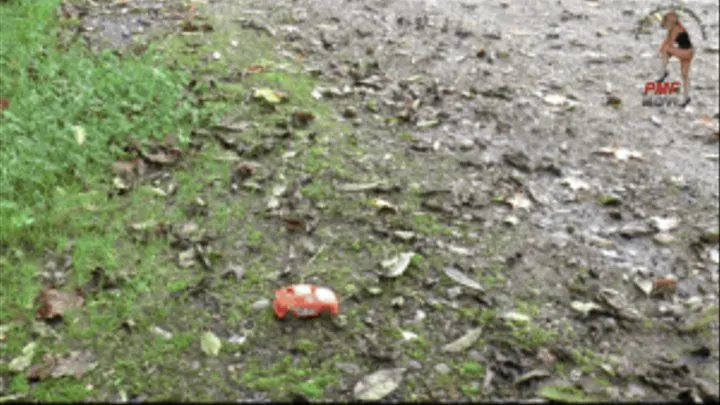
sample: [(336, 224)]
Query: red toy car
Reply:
[(305, 301)]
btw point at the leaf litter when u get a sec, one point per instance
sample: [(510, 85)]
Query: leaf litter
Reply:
[(55, 303), (210, 344), (76, 364), (396, 266), (461, 278), (464, 342), (378, 385)]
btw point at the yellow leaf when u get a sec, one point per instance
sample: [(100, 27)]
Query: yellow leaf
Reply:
[(79, 134)]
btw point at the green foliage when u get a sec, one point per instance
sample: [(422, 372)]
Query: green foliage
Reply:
[(52, 89)]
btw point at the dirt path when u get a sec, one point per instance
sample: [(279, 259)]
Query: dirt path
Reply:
[(584, 51)]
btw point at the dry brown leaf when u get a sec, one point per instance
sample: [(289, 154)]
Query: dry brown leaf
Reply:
[(76, 364), (664, 286), (4, 104), (162, 158), (302, 118), (252, 69), (43, 370), (54, 303), (244, 170), (294, 224)]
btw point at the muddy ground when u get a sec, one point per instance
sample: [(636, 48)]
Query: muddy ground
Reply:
[(490, 129)]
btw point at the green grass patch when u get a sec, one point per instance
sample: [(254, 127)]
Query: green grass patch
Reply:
[(71, 112)]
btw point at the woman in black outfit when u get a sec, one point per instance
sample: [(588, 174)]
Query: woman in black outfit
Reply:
[(684, 50)]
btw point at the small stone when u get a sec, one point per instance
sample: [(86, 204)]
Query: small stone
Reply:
[(261, 304), (546, 357), (414, 365), (237, 340), (475, 355), (443, 368), (635, 391), (348, 368), (454, 292), (350, 113), (663, 238)]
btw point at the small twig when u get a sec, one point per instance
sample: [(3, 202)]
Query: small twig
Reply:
[(309, 262)]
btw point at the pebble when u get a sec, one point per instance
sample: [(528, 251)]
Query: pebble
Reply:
[(475, 355), (454, 292), (260, 304), (414, 365), (348, 368), (635, 391), (442, 368)]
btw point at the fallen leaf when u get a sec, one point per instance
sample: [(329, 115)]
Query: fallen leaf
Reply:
[(143, 226), (408, 336), (4, 104), (162, 158), (705, 119), (23, 361), (161, 332), (585, 308), (237, 340), (532, 375), (563, 393), (644, 285), (459, 277), (4, 329), (622, 154), (404, 235), (358, 188), (252, 69), (464, 342), (302, 118), (555, 99), (270, 96), (384, 206), (210, 344), (516, 317), (575, 184), (614, 101), (120, 184), (43, 370), (79, 134), (664, 286), (397, 265), (378, 385), (244, 171), (273, 203), (665, 224), (519, 201), (511, 220), (127, 169), (234, 271), (76, 364), (428, 123), (186, 258), (54, 303), (293, 224)]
